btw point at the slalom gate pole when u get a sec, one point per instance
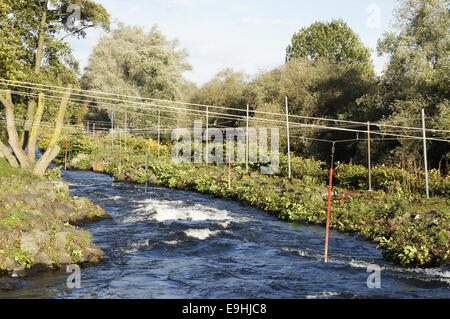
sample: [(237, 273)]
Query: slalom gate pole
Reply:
[(70, 151), (329, 204), (120, 157), (146, 169), (65, 158), (229, 168)]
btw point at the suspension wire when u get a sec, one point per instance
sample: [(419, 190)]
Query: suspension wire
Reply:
[(33, 86), (294, 124)]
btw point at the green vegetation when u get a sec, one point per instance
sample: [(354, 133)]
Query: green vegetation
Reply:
[(335, 41), (410, 230), (37, 223)]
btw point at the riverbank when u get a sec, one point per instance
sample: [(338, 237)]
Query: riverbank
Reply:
[(39, 224), (410, 230)]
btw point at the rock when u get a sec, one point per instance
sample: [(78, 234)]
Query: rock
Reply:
[(80, 202), (11, 284), (32, 241), (60, 185), (19, 272), (10, 264), (60, 212), (95, 255), (60, 238), (98, 166), (43, 186), (42, 262), (64, 258), (78, 159), (51, 196)]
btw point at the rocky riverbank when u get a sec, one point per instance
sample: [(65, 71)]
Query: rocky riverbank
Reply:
[(39, 225)]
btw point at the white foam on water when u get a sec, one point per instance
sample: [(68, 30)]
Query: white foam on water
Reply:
[(170, 242), (134, 247), (169, 210), (201, 234)]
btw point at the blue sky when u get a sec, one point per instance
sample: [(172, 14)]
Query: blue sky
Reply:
[(246, 35)]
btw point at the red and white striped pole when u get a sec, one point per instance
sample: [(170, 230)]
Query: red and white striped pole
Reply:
[(329, 204)]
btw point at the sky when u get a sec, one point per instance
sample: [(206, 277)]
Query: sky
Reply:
[(246, 35)]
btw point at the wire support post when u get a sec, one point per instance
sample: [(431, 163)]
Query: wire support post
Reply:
[(329, 204)]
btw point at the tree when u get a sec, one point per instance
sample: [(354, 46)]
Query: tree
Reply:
[(17, 156), (226, 89), (32, 49), (417, 75), (321, 89), (334, 40), (138, 63)]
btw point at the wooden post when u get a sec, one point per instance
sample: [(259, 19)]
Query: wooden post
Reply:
[(368, 156), (288, 140), (425, 154), (329, 204)]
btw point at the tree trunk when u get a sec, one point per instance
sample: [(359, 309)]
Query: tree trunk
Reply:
[(44, 160), (53, 149), (14, 141), (41, 41), (60, 116), (6, 152), (27, 126), (35, 128)]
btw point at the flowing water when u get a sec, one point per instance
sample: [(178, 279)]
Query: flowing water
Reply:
[(175, 244)]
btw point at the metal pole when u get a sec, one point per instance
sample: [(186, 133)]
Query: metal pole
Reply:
[(112, 131), (246, 145), (125, 131), (207, 136), (229, 167), (146, 175), (425, 153), (288, 140), (159, 129), (329, 205), (65, 158), (120, 151), (368, 156)]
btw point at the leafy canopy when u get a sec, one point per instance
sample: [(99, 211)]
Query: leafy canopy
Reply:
[(334, 40)]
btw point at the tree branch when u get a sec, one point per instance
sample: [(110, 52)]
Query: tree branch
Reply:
[(12, 132)]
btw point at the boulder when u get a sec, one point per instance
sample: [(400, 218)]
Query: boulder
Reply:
[(42, 262), (78, 159), (64, 258), (32, 241)]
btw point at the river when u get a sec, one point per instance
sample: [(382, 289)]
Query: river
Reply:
[(176, 244)]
